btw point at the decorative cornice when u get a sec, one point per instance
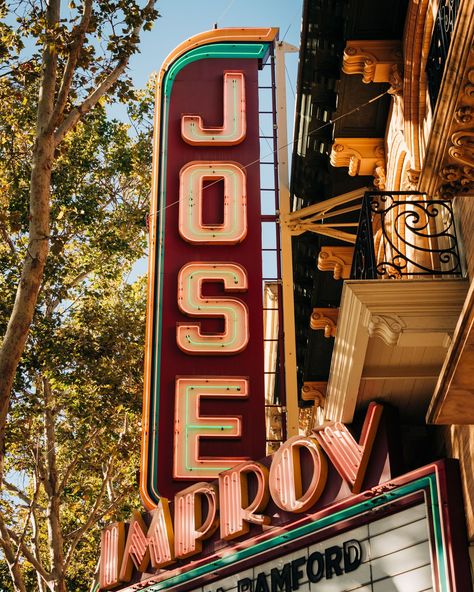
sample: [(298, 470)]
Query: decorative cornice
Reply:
[(336, 259), (363, 156), (314, 391), (376, 61), (395, 79), (412, 178), (457, 180), (325, 319), (449, 157)]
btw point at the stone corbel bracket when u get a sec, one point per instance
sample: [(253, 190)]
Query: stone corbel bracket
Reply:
[(336, 259), (362, 156), (376, 61), (314, 391), (324, 319), (405, 313)]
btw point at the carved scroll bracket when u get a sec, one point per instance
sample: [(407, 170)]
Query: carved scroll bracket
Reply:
[(336, 259), (376, 61), (363, 156), (314, 391), (387, 327), (325, 319)]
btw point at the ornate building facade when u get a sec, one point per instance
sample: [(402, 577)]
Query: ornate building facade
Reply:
[(398, 99)]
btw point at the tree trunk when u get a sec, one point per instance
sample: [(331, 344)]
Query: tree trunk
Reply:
[(38, 237), (31, 277)]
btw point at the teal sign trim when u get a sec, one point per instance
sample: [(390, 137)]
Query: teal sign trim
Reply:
[(427, 483), (216, 51)]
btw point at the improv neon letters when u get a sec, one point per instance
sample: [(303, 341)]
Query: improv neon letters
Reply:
[(227, 505)]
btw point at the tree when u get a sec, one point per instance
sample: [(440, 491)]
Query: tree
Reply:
[(72, 432), (84, 50)]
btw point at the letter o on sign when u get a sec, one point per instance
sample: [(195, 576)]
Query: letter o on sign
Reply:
[(286, 481)]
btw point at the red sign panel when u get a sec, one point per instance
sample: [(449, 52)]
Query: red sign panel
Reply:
[(204, 395)]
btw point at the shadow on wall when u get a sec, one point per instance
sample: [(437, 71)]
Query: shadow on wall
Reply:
[(459, 442)]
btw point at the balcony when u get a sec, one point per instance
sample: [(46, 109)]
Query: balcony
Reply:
[(399, 309), (405, 235)]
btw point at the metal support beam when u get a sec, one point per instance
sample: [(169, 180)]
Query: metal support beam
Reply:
[(286, 252), (313, 218)]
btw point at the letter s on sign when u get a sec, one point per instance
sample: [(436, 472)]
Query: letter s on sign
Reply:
[(235, 337)]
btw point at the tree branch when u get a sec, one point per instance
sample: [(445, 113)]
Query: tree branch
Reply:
[(92, 514), (72, 465), (75, 115), (16, 491), (78, 34), (28, 555), (8, 240), (6, 544), (77, 280), (38, 242), (27, 519), (77, 534)]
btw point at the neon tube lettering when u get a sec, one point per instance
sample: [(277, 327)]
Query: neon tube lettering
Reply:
[(111, 551), (350, 458), (234, 127), (235, 510), (235, 337), (190, 528), (160, 536), (286, 486), (190, 426), (191, 184), (136, 552)]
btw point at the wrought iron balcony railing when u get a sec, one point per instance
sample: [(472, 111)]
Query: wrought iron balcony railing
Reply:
[(405, 235), (440, 41)]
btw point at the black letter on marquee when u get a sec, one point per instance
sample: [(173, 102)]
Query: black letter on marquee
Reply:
[(333, 560), (245, 585), (281, 580), (352, 555), (315, 557), (261, 584), (296, 573)]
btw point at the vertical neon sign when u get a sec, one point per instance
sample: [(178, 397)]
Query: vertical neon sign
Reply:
[(204, 345)]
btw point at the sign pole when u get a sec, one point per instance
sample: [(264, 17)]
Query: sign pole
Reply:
[(291, 387)]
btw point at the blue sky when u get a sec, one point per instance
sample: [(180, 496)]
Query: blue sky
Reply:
[(181, 19)]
